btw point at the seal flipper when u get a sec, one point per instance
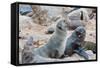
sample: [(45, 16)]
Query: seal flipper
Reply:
[(81, 52)]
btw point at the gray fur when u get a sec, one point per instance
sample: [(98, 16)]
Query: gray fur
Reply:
[(55, 46)]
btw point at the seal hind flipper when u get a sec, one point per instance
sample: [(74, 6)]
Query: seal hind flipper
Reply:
[(82, 53)]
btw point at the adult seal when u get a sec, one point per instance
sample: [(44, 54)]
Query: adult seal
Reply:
[(55, 46)]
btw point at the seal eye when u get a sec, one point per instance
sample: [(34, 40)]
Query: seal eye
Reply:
[(59, 27)]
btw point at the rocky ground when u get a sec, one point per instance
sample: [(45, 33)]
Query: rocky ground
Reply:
[(40, 38)]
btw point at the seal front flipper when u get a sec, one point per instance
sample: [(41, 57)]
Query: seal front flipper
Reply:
[(81, 52)]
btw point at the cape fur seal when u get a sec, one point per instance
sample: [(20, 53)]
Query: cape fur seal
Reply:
[(52, 50), (55, 45), (74, 43)]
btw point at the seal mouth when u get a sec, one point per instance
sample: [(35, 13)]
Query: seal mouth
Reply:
[(79, 34)]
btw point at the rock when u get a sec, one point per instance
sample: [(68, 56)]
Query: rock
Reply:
[(25, 25), (36, 9), (24, 9), (91, 55), (91, 38), (54, 12), (77, 14), (73, 24), (74, 57), (50, 30), (29, 14), (78, 57), (90, 46)]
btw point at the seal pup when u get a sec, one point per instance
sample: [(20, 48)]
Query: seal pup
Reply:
[(74, 43)]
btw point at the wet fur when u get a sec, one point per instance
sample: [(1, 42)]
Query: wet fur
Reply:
[(74, 43)]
